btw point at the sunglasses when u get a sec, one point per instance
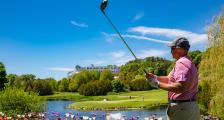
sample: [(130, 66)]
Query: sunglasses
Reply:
[(173, 48)]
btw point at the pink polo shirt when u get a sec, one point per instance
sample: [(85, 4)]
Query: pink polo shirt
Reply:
[(184, 70)]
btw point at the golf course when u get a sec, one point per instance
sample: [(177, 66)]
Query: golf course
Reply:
[(124, 100), (112, 60)]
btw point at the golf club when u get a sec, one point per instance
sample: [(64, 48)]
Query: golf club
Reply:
[(103, 7)]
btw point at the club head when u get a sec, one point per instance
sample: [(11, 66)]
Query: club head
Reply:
[(103, 5)]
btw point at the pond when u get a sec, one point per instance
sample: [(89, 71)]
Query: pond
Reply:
[(60, 106)]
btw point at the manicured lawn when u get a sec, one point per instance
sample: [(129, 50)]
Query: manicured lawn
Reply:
[(152, 98)]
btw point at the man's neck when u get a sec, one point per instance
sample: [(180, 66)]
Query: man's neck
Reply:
[(181, 56)]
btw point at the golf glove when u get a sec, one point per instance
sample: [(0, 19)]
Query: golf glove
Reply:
[(153, 81)]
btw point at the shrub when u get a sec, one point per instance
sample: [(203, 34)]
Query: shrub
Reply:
[(118, 86), (89, 89), (94, 88), (139, 84), (82, 78), (42, 87), (106, 75), (63, 85), (15, 101), (73, 86)]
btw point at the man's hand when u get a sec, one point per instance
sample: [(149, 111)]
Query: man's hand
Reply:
[(152, 79)]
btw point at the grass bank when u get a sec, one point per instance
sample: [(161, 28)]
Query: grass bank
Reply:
[(112, 101), (139, 100)]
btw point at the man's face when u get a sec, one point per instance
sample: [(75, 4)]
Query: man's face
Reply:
[(175, 52), (178, 52)]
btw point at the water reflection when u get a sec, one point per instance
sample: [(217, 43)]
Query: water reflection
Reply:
[(59, 107)]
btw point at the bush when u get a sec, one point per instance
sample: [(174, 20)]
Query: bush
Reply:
[(118, 86), (88, 89), (63, 85), (73, 86), (53, 83), (82, 78), (15, 101), (139, 84), (106, 75), (94, 88), (42, 87)]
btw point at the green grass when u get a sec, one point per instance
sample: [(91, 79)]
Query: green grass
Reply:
[(152, 98)]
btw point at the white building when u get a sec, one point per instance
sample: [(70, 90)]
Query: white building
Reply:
[(113, 68)]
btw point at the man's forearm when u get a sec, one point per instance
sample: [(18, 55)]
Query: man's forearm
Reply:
[(163, 79), (176, 87)]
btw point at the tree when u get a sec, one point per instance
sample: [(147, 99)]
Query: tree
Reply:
[(118, 86), (82, 78), (103, 87), (27, 81), (94, 88), (130, 70), (139, 84), (42, 87), (196, 56), (53, 83), (106, 75), (73, 86), (63, 85), (95, 75), (3, 74), (11, 79), (15, 101), (211, 69)]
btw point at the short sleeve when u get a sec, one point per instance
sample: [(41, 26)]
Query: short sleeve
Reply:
[(181, 72)]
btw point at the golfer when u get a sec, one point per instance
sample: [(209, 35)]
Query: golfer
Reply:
[(181, 83)]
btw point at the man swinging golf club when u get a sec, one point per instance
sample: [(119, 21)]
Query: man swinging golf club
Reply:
[(181, 83)]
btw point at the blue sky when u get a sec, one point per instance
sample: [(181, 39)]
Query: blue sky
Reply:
[(49, 37)]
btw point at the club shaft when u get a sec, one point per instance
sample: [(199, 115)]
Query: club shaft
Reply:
[(120, 36)]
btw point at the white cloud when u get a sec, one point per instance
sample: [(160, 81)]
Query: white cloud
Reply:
[(108, 37), (194, 38), (60, 69), (121, 57), (137, 37), (115, 57), (153, 52), (145, 38), (120, 60), (150, 34), (138, 16), (83, 25)]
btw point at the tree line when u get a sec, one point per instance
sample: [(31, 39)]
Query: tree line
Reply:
[(130, 78), (88, 83)]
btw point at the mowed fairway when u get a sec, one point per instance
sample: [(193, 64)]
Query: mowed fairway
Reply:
[(139, 100)]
